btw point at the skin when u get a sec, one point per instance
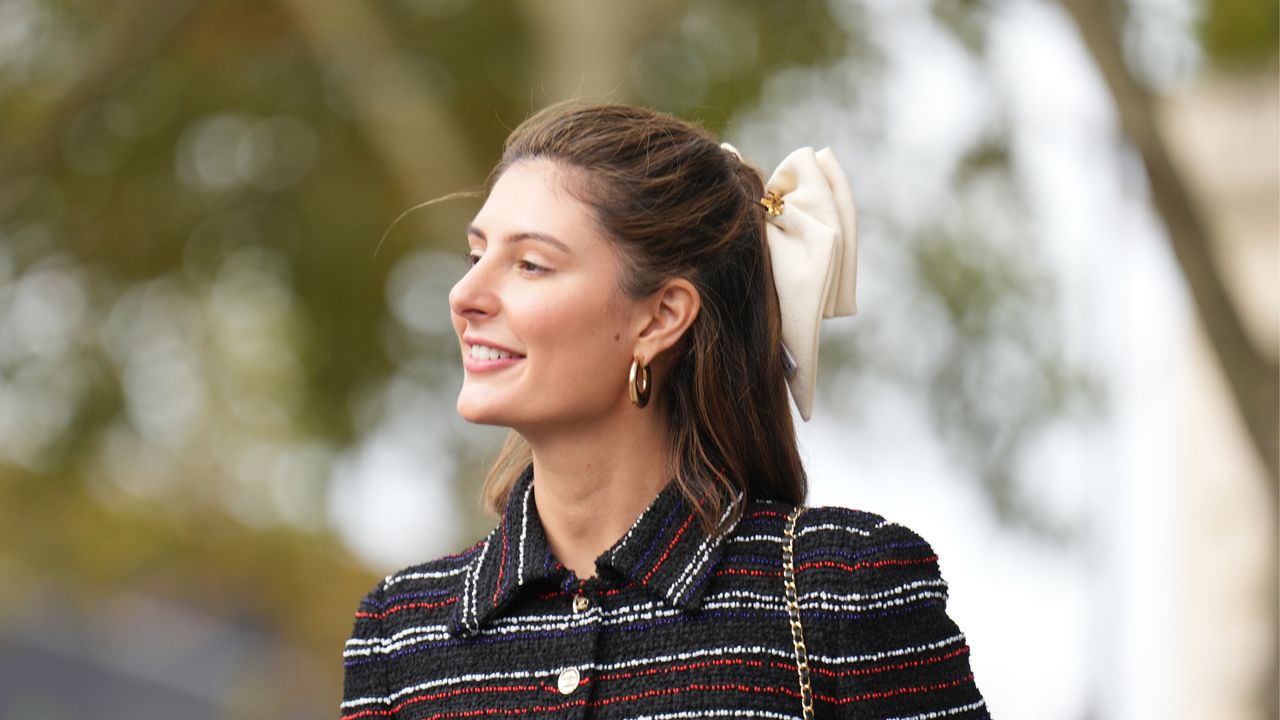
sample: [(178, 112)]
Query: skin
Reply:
[(544, 285)]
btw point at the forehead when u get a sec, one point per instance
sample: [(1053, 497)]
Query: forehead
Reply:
[(532, 196)]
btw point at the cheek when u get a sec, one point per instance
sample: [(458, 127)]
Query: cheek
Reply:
[(559, 326), (576, 334)]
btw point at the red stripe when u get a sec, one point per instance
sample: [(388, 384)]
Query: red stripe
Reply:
[(692, 687), (598, 593), (778, 665), (697, 687), (920, 689), (888, 668), (502, 564), (865, 565), (442, 695), (667, 552), (742, 662), (827, 564), (406, 606), (746, 571)]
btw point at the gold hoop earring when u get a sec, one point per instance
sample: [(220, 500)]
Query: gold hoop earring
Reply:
[(639, 383)]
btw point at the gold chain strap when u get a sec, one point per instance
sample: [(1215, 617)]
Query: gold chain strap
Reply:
[(793, 612)]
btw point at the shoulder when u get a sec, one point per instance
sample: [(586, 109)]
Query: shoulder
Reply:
[(422, 597), (841, 549), (858, 535), (836, 530), (873, 605), (425, 586), (850, 565)]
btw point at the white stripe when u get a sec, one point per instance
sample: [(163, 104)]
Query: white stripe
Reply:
[(639, 613), (899, 652), (473, 580), (700, 558), (730, 651), (425, 633), (516, 626), (835, 597), (944, 713), (778, 652), (745, 594), (626, 615), (382, 646), (420, 630), (877, 595), (717, 713), (410, 637), (423, 575), (391, 647), (357, 642), (716, 652), (357, 702), (512, 627), (833, 526), (781, 652), (524, 531), (872, 605), (457, 680), (527, 627), (743, 539)]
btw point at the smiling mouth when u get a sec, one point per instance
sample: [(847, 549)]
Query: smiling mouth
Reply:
[(484, 352)]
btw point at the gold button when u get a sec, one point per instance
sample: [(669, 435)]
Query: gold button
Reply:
[(568, 681), (580, 603)]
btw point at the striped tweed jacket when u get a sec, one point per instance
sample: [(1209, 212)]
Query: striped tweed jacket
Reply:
[(675, 624)]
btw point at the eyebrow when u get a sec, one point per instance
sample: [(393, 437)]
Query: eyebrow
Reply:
[(517, 237)]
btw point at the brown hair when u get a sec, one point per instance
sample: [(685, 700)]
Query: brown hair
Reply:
[(676, 204)]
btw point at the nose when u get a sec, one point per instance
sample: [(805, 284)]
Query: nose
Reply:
[(474, 295)]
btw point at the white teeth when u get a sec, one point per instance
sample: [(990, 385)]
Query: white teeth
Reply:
[(482, 352)]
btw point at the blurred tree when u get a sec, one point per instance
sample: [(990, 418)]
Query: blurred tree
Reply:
[(1238, 35), (192, 314), (189, 297), (1252, 374)]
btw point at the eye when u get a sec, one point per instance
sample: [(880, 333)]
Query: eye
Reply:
[(471, 258), (533, 267)]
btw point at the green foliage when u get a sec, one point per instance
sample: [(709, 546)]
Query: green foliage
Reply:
[(302, 587), (198, 190), (195, 195), (1241, 32)]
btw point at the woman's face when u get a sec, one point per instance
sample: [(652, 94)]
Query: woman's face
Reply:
[(545, 331)]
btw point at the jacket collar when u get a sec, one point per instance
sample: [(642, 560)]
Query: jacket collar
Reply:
[(666, 552)]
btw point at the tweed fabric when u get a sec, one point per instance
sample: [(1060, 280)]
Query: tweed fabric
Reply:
[(675, 624)]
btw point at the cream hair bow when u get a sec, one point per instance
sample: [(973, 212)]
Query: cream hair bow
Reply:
[(812, 235)]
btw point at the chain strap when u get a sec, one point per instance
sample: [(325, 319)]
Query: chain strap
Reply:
[(793, 612)]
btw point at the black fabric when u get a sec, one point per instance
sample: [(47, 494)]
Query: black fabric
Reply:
[(677, 624)]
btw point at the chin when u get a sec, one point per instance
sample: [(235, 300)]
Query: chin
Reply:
[(478, 413)]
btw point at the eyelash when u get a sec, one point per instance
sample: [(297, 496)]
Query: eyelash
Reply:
[(471, 258)]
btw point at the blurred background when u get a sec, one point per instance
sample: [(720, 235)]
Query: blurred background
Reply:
[(225, 411)]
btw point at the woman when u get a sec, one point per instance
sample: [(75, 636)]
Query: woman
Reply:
[(621, 316)]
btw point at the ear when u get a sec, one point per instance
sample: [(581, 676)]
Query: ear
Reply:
[(665, 316)]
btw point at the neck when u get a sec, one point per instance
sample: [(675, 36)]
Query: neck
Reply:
[(591, 483)]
